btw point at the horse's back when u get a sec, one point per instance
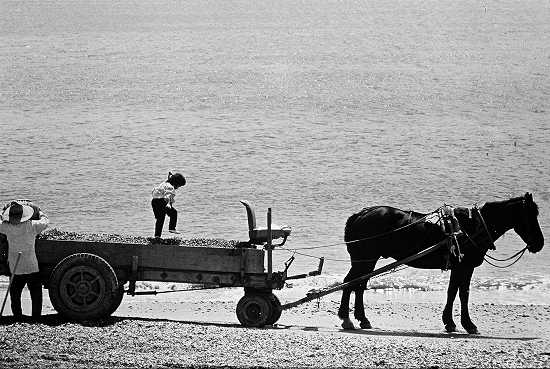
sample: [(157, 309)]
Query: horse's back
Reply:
[(385, 231), (376, 220)]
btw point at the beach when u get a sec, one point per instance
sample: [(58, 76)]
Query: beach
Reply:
[(314, 109), (196, 329)]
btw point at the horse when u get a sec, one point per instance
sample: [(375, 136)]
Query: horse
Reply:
[(384, 231)]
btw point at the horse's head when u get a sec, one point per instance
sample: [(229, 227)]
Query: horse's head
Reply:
[(526, 223)]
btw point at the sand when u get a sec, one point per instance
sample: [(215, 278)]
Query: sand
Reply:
[(200, 329)]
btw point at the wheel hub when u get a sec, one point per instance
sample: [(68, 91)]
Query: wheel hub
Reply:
[(83, 288)]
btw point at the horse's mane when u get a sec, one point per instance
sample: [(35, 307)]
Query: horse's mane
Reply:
[(531, 205)]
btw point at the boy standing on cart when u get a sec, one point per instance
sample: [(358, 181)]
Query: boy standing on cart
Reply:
[(21, 231), (163, 203)]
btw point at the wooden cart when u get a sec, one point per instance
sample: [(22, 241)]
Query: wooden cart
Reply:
[(86, 280)]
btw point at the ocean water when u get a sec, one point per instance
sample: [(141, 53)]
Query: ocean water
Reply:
[(314, 108)]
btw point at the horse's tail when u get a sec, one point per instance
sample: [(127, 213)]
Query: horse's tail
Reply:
[(347, 229)]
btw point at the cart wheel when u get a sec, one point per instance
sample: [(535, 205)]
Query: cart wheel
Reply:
[(253, 310), (83, 286), (117, 299), (276, 309)]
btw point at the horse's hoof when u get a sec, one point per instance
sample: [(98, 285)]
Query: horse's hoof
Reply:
[(450, 328), (348, 325), (472, 330), (365, 324), (469, 327)]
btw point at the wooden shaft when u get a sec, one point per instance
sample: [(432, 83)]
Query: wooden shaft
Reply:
[(269, 246), (315, 295), (11, 280)]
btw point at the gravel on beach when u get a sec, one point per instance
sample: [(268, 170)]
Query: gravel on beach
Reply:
[(410, 335)]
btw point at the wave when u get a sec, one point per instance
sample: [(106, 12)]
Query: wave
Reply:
[(427, 283), (390, 283)]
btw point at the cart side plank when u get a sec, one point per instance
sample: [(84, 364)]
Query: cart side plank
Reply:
[(119, 255)]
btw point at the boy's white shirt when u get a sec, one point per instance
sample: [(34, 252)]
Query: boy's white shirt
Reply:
[(165, 191), (21, 238)]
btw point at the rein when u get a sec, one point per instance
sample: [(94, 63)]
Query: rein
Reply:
[(518, 254)]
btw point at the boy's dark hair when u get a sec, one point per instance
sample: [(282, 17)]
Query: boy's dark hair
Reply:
[(176, 180)]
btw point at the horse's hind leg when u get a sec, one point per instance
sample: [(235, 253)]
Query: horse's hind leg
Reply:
[(357, 270), (359, 309), (365, 267), (454, 283), (343, 311)]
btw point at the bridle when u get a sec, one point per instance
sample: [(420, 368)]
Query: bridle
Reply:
[(517, 255)]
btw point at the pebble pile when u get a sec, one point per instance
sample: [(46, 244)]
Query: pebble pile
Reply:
[(56, 234)]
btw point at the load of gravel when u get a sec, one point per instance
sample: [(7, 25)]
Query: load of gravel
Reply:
[(56, 234)]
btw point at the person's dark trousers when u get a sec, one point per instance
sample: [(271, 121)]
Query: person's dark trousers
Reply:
[(160, 210), (34, 284)]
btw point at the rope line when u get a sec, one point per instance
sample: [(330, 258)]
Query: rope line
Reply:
[(518, 254), (367, 238), (394, 230), (329, 259)]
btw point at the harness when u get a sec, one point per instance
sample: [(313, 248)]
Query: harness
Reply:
[(450, 226)]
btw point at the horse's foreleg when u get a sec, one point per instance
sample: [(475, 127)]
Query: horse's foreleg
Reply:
[(454, 283), (464, 295), (359, 309)]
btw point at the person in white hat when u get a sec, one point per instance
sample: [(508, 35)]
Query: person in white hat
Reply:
[(21, 231)]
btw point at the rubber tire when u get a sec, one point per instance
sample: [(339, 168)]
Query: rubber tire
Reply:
[(253, 310), (276, 309), (83, 287), (119, 295)]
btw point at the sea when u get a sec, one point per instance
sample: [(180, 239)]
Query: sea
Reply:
[(314, 109)]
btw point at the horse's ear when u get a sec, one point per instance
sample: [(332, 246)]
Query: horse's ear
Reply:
[(528, 196)]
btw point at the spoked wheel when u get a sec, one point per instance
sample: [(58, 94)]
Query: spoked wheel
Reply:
[(84, 286), (276, 309), (254, 310)]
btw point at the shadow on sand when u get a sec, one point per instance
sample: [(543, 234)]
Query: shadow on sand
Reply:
[(54, 320), (406, 333)]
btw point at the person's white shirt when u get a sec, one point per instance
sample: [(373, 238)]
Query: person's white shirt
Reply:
[(21, 238)]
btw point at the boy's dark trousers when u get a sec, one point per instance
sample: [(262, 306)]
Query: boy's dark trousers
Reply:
[(160, 210), (34, 284)]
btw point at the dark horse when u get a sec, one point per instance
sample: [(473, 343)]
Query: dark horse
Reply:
[(383, 231)]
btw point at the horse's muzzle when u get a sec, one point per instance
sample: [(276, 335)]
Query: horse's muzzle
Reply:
[(536, 246)]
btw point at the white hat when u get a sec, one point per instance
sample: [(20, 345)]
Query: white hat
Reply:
[(17, 213)]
